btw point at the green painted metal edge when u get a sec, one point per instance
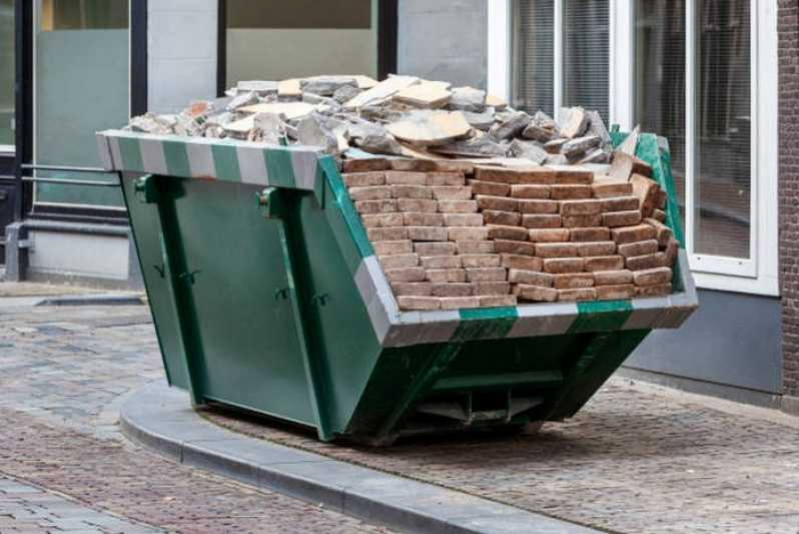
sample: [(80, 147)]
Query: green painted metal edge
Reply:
[(130, 150), (485, 323), (280, 167), (177, 158), (601, 316), (226, 163)]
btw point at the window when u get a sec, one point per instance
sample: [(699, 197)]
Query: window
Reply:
[(586, 55), (84, 15), (277, 40), (7, 75), (534, 84), (561, 55)]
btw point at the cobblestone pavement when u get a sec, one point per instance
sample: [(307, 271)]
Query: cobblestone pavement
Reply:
[(637, 459), (63, 373)]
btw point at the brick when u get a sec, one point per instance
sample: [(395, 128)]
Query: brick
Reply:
[(621, 218), (413, 165), (411, 191), (572, 174), (535, 293), (419, 303), (573, 281), (570, 208), (415, 218), (576, 295), (365, 179), (639, 248), (504, 246), (364, 165), (460, 303), (613, 278), (395, 233), (535, 191), (571, 192), (475, 247), (650, 261), (647, 192), (376, 206), (563, 265), (604, 263), (457, 206), (451, 193), (393, 248), (537, 207), (400, 261), (660, 215), (582, 221), (408, 274), (480, 261), (446, 276), (463, 219), (491, 288), (664, 234), (441, 262), (542, 221), (522, 262), (556, 250), (608, 189), (427, 233), (631, 234), (616, 292), (661, 200), (449, 179), (487, 275), (382, 220), (468, 233), (497, 203), (452, 290), (653, 277), (435, 249), (417, 205), (596, 248), (406, 178), (620, 204), (598, 233), (511, 233), (502, 218), (498, 301), (531, 278), (654, 291), (491, 189), (549, 235), (412, 289), (533, 175), (672, 251)]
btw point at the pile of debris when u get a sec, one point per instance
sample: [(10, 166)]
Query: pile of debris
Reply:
[(467, 202), (402, 116)]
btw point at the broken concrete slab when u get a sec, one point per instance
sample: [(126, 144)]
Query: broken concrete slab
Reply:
[(431, 129), (382, 91)]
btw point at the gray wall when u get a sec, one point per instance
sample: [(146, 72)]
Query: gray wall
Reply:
[(733, 339), (444, 40)]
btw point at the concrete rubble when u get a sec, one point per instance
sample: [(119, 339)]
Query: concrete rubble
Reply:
[(468, 202)]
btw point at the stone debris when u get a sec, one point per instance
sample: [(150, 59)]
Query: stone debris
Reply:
[(467, 201)]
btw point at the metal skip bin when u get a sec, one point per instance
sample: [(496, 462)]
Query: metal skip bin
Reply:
[(267, 296)]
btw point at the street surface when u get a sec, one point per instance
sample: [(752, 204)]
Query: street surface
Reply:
[(638, 459)]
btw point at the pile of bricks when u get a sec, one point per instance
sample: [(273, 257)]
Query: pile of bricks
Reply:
[(452, 235)]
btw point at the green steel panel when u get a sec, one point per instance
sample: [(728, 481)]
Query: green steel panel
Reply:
[(280, 168)]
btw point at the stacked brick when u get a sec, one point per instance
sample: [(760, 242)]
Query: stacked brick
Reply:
[(450, 235)]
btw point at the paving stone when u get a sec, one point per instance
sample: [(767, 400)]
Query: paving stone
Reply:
[(365, 179), (503, 246), (382, 220), (441, 262), (410, 191), (664, 234), (522, 262), (535, 293), (654, 291), (487, 275), (492, 189), (497, 203), (510, 233), (539, 192), (447, 276), (412, 289), (604, 263), (647, 191), (460, 303), (621, 218), (542, 221), (538, 206), (610, 189), (580, 207), (571, 192), (498, 301), (352, 166), (595, 234), (618, 292), (576, 295), (563, 265), (463, 219), (388, 234), (631, 234), (531, 278), (573, 281), (549, 235), (452, 290), (451, 192), (572, 174), (467, 233), (557, 250), (502, 218), (405, 178), (612, 204), (483, 289), (480, 261), (393, 248), (613, 278), (417, 205), (650, 261), (435, 249), (596, 248), (408, 274), (457, 206), (582, 221), (419, 303), (652, 277), (475, 247), (422, 219), (532, 175), (446, 179), (427, 233), (399, 261), (639, 248), (376, 206)]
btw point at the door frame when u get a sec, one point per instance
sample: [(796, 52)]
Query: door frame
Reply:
[(24, 206), (386, 21)]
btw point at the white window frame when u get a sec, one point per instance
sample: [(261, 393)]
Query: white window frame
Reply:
[(760, 273)]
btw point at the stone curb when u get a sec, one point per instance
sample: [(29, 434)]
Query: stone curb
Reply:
[(161, 418), (94, 300)]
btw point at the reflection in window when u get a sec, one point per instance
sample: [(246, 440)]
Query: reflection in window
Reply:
[(660, 78), (534, 56), (83, 15), (7, 72), (723, 103), (586, 55)]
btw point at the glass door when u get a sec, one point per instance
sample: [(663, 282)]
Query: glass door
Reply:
[(82, 85)]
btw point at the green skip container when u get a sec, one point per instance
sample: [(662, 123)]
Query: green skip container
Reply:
[(267, 296)]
